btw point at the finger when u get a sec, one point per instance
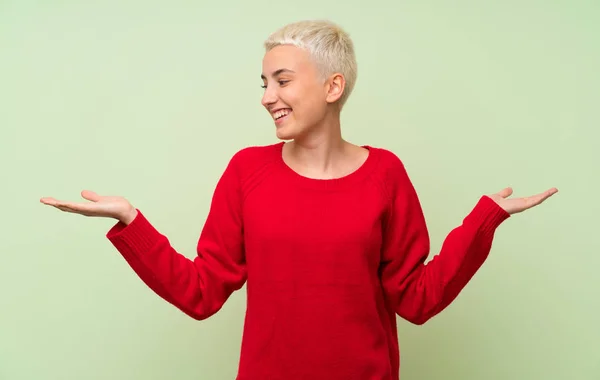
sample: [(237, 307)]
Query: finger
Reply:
[(73, 207), (61, 204), (74, 210), (90, 195), (546, 194), (65, 208), (537, 199), (506, 192), (49, 201), (79, 207)]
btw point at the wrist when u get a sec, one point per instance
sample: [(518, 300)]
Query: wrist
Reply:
[(129, 216)]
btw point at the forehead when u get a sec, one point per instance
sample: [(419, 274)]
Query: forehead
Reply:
[(287, 57)]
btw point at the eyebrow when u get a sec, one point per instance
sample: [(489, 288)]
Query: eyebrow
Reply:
[(277, 72)]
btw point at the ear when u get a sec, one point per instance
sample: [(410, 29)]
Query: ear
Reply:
[(335, 87)]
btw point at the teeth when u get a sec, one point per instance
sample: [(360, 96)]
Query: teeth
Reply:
[(281, 113)]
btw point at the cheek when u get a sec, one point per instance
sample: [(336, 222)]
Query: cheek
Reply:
[(294, 96), (307, 101)]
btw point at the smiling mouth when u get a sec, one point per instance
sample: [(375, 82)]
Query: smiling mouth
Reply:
[(281, 114)]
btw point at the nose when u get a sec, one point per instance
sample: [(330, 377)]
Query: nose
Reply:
[(269, 97)]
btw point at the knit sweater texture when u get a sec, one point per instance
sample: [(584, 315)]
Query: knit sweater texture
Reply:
[(328, 264)]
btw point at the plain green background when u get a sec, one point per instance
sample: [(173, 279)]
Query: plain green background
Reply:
[(149, 100)]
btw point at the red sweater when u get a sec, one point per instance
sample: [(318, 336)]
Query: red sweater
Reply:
[(327, 264)]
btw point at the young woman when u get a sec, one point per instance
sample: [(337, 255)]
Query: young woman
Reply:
[(328, 236)]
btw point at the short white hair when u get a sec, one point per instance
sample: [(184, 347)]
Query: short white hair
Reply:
[(328, 44)]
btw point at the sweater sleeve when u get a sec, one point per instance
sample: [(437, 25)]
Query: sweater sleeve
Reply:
[(418, 290), (200, 286)]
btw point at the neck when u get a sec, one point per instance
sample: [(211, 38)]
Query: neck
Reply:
[(322, 152)]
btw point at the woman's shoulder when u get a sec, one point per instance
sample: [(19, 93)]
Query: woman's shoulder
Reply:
[(253, 156), (251, 152), (255, 161)]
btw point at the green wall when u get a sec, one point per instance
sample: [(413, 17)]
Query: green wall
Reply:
[(149, 101)]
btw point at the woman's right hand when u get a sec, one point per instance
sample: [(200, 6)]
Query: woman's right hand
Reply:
[(99, 206)]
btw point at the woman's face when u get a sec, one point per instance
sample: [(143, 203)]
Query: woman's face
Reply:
[(296, 95)]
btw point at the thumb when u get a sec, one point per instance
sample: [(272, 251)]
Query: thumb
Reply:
[(506, 192), (90, 195)]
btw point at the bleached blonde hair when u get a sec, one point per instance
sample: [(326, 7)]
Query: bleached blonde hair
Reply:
[(328, 44)]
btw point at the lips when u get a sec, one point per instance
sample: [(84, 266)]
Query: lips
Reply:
[(280, 114)]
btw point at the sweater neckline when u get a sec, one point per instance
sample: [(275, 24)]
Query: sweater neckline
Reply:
[(353, 178)]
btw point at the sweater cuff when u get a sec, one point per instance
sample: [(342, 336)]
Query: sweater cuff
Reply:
[(486, 216), (135, 238)]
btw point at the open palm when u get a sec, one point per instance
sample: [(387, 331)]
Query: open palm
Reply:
[(98, 206), (516, 205)]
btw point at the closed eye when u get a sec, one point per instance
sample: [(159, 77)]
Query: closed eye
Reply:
[(281, 83)]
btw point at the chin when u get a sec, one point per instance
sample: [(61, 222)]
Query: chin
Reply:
[(285, 137), (285, 133)]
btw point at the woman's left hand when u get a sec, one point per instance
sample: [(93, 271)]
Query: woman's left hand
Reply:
[(516, 205)]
